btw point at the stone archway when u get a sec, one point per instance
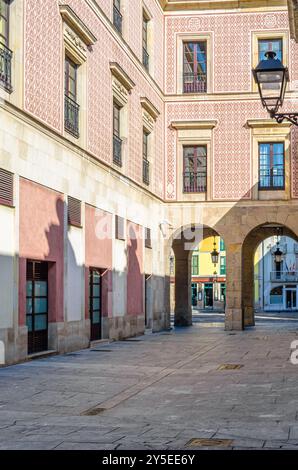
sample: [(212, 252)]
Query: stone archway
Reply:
[(250, 244), (184, 241)]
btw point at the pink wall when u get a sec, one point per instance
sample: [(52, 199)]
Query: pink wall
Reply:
[(231, 165), (44, 78), (41, 238), (135, 270), (98, 253)]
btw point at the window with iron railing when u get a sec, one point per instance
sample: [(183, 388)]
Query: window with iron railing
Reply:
[(146, 164), (117, 141), (145, 41), (71, 107), (271, 166), (5, 52), (117, 16), (195, 169), (195, 67)]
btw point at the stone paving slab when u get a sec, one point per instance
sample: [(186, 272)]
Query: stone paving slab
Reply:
[(157, 393)]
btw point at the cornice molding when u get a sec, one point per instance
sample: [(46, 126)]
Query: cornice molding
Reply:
[(77, 25), (149, 107), (186, 5), (266, 123), (122, 76), (204, 124)]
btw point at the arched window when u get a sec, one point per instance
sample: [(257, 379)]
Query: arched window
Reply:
[(276, 296)]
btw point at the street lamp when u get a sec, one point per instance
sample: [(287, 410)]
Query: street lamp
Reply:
[(277, 254), (272, 78), (214, 254)]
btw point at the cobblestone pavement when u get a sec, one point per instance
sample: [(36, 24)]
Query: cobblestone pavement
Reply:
[(158, 391)]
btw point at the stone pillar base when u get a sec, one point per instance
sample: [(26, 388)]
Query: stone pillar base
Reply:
[(249, 316), (233, 319), (182, 319)]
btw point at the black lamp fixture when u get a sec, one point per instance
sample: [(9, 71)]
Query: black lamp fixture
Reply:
[(214, 254), (272, 78), (277, 253)]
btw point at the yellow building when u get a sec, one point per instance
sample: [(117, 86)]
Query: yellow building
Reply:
[(208, 279)]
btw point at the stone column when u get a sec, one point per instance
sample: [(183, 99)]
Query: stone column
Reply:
[(183, 309), (234, 312), (248, 284)]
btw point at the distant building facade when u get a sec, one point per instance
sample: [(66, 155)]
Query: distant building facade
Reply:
[(276, 283)]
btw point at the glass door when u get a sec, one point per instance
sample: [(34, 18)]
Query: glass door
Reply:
[(208, 289), (37, 306), (95, 303)]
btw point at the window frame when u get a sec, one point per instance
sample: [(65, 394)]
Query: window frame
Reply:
[(195, 171), (5, 39), (194, 66), (195, 266), (69, 63), (271, 187)]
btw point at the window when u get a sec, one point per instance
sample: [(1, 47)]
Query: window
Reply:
[(4, 19), (117, 142), (195, 169), (119, 228), (71, 112), (5, 52), (74, 212), (265, 45), (195, 67), (146, 164), (195, 265), (271, 166), (276, 295), (117, 17), (95, 302), (222, 265), (6, 187), (145, 41), (222, 245), (148, 241)]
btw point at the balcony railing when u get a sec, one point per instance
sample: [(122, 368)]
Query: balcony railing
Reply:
[(284, 276), (117, 150), (145, 59), (71, 116), (117, 20), (5, 67), (194, 182), (195, 83), (272, 179), (146, 171)]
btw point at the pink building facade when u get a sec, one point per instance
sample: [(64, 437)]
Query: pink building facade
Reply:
[(105, 107)]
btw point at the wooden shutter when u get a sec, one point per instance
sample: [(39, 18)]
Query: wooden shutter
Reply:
[(119, 228), (148, 243), (6, 187), (74, 212)]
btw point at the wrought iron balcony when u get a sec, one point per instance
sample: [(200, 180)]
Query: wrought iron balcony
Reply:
[(145, 59), (146, 171), (5, 67), (71, 116), (194, 182), (195, 83), (272, 179), (284, 276), (117, 20), (117, 150)]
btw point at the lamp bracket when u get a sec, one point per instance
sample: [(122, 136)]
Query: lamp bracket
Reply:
[(280, 117)]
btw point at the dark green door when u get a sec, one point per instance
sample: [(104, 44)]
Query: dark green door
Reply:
[(37, 306)]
